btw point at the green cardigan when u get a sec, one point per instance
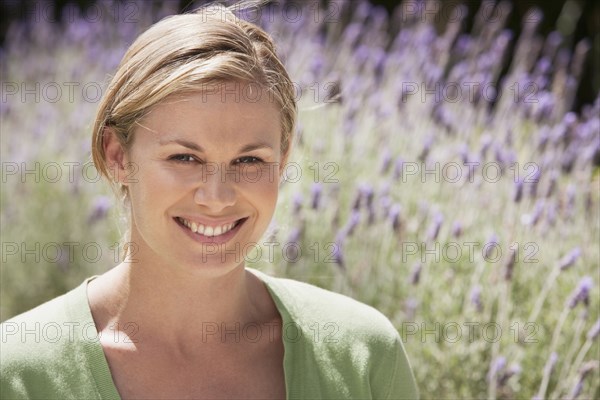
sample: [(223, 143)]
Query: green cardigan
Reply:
[(335, 348)]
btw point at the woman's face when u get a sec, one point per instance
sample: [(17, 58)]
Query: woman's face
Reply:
[(206, 171)]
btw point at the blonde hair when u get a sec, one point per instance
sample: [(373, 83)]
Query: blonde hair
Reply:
[(186, 53)]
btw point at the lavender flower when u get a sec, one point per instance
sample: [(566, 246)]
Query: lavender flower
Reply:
[(316, 192), (497, 365), (534, 180), (415, 275), (99, 209), (543, 135), (338, 255), (394, 217), (581, 293), (292, 253), (297, 203), (463, 153), (410, 305), (534, 217), (398, 167), (594, 330), (552, 184), (571, 191), (457, 229), (352, 222), (434, 228), (551, 363), (475, 298), (518, 191), (386, 161), (426, 148), (486, 142), (356, 203), (370, 216), (569, 259), (514, 369), (510, 265), (295, 235), (583, 373), (368, 194), (489, 248)]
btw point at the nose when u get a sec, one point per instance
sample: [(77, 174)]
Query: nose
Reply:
[(215, 192)]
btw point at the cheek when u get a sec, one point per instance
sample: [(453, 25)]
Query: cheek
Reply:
[(260, 183), (151, 182)]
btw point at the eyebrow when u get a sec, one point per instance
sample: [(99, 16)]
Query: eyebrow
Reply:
[(198, 148)]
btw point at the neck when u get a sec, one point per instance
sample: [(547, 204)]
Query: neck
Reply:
[(174, 310)]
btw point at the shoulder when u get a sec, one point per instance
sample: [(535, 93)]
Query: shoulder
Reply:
[(33, 328), (346, 340), (310, 304), (37, 343)]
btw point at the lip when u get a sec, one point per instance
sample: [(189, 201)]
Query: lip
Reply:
[(224, 238)]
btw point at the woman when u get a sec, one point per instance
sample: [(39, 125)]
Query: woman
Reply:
[(194, 132)]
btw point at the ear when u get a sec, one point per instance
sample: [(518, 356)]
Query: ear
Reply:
[(116, 157)]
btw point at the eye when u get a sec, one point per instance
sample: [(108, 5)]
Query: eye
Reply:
[(183, 158), (249, 160)]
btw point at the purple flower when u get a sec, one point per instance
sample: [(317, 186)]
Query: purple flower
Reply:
[(510, 265), (297, 202), (434, 228), (99, 209), (486, 142), (398, 166), (426, 148), (518, 191), (514, 369), (581, 293), (534, 179), (456, 229), (497, 365), (415, 275), (463, 152), (386, 161), (316, 192), (368, 193), (552, 184), (352, 222), (357, 200), (394, 217), (493, 240), (338, 255), (543, 137), (292, 253), (571, 192), (371, 216), (534, 217), (594, 330), (410, 305), (475, 298), (295, 235), (569, 259), (551, 363)]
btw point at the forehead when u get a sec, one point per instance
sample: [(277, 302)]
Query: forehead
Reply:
[(226, 111)]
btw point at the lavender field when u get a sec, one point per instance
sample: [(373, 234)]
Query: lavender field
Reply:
[(458, 198)]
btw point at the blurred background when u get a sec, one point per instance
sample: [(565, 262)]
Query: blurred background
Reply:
[(445, 171), (577, 19)]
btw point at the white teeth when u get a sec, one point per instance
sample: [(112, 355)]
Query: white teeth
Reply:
[(207, 230)]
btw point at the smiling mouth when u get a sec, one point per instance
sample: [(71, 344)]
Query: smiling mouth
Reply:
[(209, 231)]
